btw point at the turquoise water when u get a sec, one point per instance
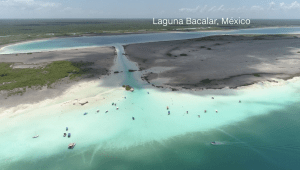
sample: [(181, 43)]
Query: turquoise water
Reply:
[(78, 42), (259, 133)]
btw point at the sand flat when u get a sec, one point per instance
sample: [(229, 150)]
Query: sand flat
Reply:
[(225, 61), (103, 58)]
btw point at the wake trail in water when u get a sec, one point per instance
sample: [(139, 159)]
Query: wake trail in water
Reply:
[(94, 152), (253, 149)]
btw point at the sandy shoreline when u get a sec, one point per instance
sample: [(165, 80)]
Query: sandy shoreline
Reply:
[(83, 35), (128, 33), (173, 69), (216, 62), (102, 59)]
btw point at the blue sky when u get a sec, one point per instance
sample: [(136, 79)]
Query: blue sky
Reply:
[(281, 9)]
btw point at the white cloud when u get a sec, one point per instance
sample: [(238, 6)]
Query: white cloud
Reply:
[(202, 10), (271, 6), (256, 8), (27, 4), (190, 9), (294, 5)]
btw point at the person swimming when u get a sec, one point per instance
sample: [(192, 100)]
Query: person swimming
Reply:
[(204, 111), (132, 118)]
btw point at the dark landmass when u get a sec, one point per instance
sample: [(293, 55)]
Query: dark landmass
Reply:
[(218, 61)]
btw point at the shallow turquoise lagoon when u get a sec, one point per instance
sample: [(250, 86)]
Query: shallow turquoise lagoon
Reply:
[(261, 132)]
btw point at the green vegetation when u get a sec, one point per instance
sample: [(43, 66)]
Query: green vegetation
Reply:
[(127, 87), (298, 52), (169, 54), (266, 35), (183, 54), (205, 39), (208, 48), (217, 44), (38, 77), (246, 84), (202, 47), (256, 75), (206, 81)]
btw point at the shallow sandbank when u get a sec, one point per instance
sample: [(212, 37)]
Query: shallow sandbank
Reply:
[(101, 57), (218, 61)]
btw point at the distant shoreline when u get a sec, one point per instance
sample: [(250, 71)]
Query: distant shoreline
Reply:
[(129, 33)]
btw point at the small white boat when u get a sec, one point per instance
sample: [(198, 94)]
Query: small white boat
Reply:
[(216, 143), (71, 145), (36, 136)]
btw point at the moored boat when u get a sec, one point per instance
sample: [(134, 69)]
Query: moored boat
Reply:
[(36, 136), (216, 143), (71, 145), (69, 135), (65, 134)]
